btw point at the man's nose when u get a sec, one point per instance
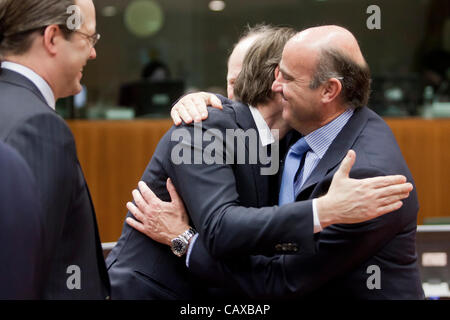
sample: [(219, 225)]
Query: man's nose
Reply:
[(93, 54)]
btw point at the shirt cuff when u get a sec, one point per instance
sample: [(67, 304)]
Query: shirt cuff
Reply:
[(317, 226), (191, 245)]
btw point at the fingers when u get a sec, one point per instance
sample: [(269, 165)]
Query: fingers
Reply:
[(135, 224), (135, 211), (186, 109), (215, 102), (389, 208), (392, 199), (193, 107), (385, 181), (140, 202), (394, 190), (181, 109), (346, 165), (200, 104), (175, 117), (147, 193), (172, 191)]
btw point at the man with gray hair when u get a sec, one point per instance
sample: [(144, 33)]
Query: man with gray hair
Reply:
[(43, 53)]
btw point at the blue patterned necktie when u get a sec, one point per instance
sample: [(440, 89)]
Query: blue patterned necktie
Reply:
[(291, 166)]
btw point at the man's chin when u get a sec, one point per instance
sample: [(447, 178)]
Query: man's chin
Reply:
[(73, 92)]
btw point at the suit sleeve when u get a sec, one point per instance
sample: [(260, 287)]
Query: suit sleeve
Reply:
[(341, 248), (210, 195), (21, 233), (47, 145)]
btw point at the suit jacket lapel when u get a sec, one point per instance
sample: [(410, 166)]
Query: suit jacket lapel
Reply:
[(245, 121), (21, 81), (338, 149)]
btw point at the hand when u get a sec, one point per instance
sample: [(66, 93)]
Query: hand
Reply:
[(194, 106), (159, 220), (358, 200)]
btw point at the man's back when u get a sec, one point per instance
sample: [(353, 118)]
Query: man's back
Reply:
[(72, 246), (141, 268)]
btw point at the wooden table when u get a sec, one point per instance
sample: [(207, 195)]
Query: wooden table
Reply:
[(114, 154)]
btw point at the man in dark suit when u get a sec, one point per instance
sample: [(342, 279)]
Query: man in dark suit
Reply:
[(372, 260), (213, 191), (42, 60), (323, 80), (21, 233)]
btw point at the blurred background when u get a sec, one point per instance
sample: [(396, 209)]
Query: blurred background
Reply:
[(152, 51)]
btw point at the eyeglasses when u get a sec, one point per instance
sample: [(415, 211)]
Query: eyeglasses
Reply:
[(93, 39)]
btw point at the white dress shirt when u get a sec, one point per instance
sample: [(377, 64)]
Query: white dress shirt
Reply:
[(265, 135), (36, 79)]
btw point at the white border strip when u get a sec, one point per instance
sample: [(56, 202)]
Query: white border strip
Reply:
[(108, 245), (434, 228)]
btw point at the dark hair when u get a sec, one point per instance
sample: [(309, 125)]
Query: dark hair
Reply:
[(355, 78), (21, 20), (254, 83)]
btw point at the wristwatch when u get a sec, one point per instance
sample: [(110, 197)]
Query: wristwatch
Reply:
[(180, 244)]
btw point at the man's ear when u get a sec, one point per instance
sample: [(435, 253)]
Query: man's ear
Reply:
[(331, 90), (52, 36)]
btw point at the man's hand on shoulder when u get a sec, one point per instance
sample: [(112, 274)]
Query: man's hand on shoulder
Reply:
[(192, 107)]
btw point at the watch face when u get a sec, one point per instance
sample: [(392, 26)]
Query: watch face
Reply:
[(178, 246)]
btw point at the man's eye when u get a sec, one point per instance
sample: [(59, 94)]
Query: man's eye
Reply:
[(286, 77)]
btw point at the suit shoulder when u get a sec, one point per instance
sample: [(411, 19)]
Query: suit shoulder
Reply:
[(376, 147), (19, 107), (47, 126), (21, 100)]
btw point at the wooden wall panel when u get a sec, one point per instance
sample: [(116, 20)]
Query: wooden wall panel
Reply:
[(425, 144), (114, 154)]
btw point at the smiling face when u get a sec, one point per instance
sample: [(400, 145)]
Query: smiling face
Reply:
[(76, 51), (292, 82)]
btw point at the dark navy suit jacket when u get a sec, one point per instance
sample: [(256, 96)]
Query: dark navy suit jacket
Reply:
[(21, 233), (349, 257), (46, 143), (227, 203)]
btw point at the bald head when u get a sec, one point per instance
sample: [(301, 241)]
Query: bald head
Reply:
[(327, 55), (235, 61), (331, 37)]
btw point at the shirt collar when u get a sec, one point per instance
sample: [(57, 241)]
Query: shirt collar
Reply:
[(36, 79), (321, 139), (265, 135)]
